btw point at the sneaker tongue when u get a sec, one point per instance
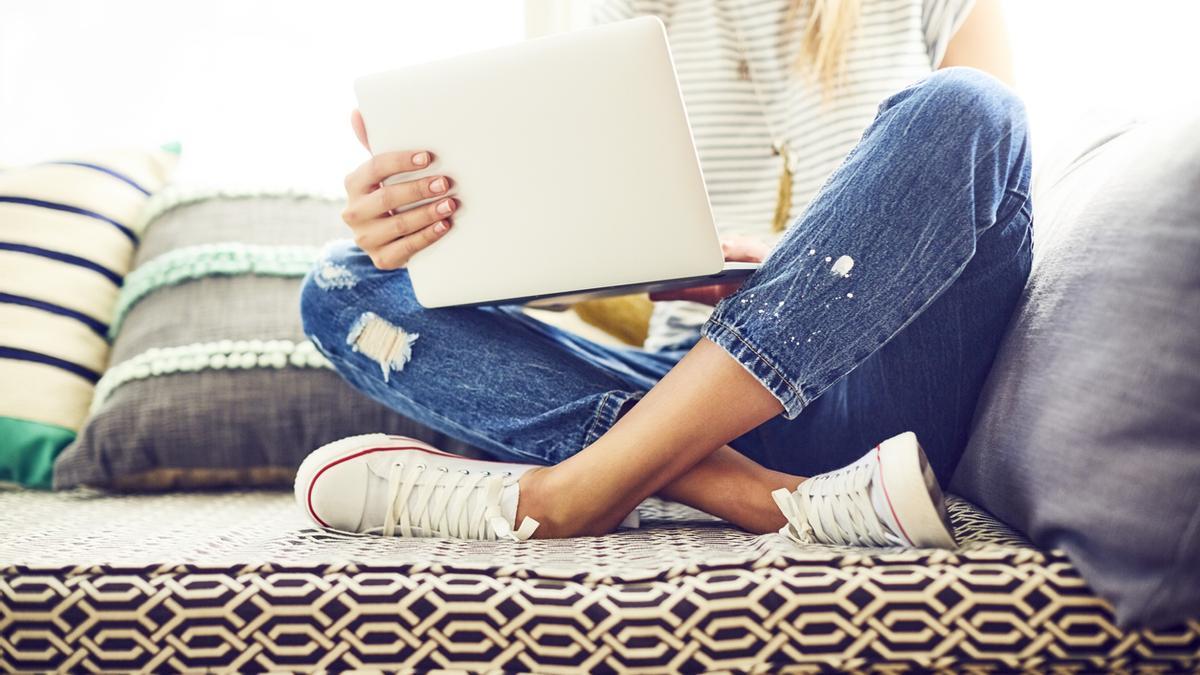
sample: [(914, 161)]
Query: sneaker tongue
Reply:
[(884, 511), (376, 504)]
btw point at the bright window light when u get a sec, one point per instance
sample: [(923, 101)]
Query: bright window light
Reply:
[(258, 92), (1073, 56)]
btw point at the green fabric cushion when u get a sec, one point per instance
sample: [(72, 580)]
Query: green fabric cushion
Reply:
[(28, 450)]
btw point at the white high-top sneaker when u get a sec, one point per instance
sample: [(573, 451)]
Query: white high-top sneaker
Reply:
[(889, 497), (399, 486)]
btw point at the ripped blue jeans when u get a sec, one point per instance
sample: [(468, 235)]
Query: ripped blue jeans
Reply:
[(879, 311)]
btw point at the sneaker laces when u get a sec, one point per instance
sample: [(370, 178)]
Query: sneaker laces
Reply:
[(834, 508), (461, 504)]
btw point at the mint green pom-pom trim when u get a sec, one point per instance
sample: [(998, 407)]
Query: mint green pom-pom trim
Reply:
[(219, 355), (195, 262)]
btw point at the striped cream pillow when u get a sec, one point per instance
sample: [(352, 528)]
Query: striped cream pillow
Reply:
[(68, 230)]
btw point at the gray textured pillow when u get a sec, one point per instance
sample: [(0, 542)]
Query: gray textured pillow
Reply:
[(1087, 436), (211, 381)]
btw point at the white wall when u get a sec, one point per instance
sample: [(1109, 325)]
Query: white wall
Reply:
[(258, 91), (1073, 55), (543, 17)]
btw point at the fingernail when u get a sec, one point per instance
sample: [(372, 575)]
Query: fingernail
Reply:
[(421, 158), (438, 186), (441, 226), (444, 208)]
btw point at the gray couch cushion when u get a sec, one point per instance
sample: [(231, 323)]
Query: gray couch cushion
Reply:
[(172, 412), (1087, 435)]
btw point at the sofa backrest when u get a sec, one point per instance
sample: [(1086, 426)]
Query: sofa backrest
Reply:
[(1087, 434)]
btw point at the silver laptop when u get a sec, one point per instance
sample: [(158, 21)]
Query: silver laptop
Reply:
[(573, 162)]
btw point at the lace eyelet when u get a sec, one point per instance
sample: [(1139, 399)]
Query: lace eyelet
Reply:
[(443, 469), (507, 473), (487, 473), (464, 472)]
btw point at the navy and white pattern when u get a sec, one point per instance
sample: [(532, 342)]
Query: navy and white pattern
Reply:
[(68, 230), (240, 581)]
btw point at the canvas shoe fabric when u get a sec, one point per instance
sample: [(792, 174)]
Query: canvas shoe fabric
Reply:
[(888, 497), (399, 486)]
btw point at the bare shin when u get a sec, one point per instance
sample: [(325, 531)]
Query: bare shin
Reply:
[(704, 402)]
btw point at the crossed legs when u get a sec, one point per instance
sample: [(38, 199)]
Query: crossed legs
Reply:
[(931, 209)]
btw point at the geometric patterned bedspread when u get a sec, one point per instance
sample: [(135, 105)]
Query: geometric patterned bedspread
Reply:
[(239, 581)]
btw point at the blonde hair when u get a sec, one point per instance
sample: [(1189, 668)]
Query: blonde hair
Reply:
[(826, 36)]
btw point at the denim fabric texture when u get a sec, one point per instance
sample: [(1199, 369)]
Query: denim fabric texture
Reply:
[(879, 311)]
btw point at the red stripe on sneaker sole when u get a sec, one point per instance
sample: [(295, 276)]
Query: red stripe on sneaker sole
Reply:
[(888, 498), (429, 451)]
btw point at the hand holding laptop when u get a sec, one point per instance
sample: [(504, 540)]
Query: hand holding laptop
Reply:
[(390, 231), (584, 178), (385, 223)]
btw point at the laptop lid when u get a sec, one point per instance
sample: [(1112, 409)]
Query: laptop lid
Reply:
[(572, 159)]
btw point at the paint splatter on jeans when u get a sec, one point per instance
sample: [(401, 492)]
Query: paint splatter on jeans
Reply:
[(879, 311)]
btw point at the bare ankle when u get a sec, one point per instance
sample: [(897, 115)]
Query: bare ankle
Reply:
[(763, 515), (547, 497), (537, 501)]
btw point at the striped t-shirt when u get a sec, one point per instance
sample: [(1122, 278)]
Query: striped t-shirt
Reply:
[(734, 106)]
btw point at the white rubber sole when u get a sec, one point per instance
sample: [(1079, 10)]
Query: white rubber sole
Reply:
[(911, 491)]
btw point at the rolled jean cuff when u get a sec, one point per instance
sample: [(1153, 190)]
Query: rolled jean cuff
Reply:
[(607, 413), (757, 363)]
